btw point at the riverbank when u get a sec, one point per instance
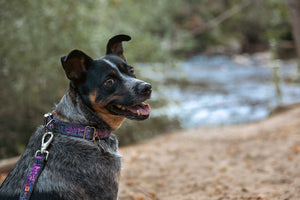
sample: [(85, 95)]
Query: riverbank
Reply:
[(253, 161)]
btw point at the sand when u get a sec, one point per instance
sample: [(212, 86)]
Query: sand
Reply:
[(257, 161)]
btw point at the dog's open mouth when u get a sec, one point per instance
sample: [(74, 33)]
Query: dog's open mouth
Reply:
[(139, 111)]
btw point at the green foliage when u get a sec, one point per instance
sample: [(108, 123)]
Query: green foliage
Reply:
[(34, 34), (259, 23), (250, 23)]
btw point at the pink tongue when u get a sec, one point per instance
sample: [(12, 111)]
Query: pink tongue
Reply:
[(143, 108)]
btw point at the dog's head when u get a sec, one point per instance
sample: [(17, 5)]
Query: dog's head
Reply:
[(108, 85)]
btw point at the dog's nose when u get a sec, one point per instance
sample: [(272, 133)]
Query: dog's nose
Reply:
[(144, 88)]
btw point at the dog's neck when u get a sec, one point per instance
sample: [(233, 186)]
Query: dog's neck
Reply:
[(72, 108)]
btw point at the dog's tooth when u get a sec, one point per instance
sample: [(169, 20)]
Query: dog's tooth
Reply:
[(119, 106), (138, 112), (123, 108)]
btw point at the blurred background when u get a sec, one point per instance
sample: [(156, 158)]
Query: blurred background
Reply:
[(211, 63)]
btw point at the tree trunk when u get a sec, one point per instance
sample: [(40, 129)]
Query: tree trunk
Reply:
[(294, 8)]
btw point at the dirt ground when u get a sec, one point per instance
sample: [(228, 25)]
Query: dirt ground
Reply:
[(258, 161)]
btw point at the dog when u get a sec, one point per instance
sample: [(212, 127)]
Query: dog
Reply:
[(102, 93)]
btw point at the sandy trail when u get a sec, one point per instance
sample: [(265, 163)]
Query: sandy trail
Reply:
[(245, 162)]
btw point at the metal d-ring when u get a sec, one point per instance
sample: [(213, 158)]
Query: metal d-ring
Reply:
[(49, 123), (96, 140)]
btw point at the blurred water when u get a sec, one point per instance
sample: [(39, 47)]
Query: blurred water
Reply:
[(223, 90)]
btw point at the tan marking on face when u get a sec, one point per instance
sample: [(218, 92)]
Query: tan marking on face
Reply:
[(113, 121), (113, 72), (122, 66)]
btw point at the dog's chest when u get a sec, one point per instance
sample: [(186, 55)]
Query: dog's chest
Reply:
[(81, 167)]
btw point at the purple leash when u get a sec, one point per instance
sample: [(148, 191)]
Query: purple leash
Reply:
[(32, 177), (37, 167)]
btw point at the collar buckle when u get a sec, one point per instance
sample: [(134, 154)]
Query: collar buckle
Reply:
[(94, 132)]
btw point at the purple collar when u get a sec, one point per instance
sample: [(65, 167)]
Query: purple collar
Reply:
[(77, 130)]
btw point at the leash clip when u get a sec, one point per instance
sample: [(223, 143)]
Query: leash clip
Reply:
[(45, 144)]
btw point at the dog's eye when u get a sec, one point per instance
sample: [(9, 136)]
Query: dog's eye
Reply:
[(109, 82), (131, 71)]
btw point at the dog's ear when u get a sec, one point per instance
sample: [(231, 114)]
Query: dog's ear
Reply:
[(76, 64), (115, 46)]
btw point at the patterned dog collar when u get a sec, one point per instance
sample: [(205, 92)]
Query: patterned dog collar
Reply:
[(77, 130)]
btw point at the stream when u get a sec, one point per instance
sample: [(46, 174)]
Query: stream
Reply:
[(222, 90)]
